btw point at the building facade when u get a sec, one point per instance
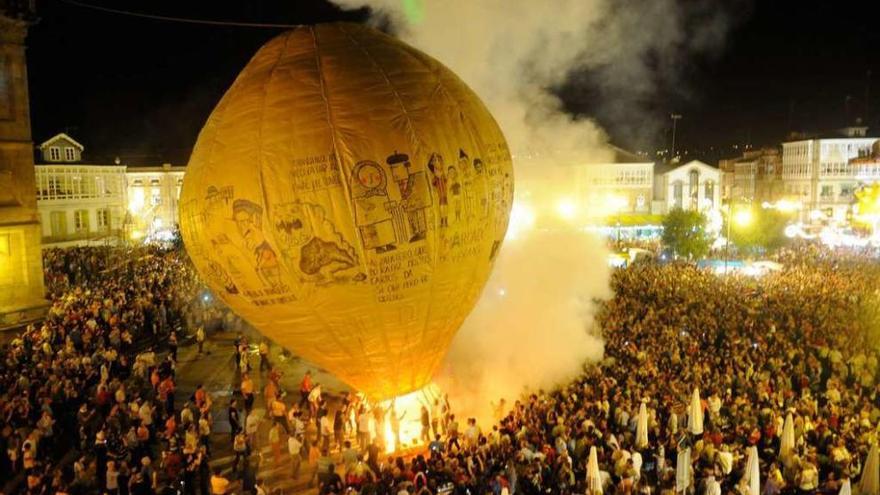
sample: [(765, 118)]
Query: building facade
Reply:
[(153, 199), (819, 173), (81, 203), (621, 186), (690, 186), (756, 177), (21, 266)]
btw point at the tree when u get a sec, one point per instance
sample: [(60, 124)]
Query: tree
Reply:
[(684, 232), (765, 231)]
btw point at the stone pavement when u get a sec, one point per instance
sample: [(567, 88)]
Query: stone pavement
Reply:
[(217, 372)]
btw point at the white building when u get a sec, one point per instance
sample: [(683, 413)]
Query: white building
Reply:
[(623, 183), (82, 203), (78, 202), (818, 172), (586, 190), (754, 177), (690, 186)]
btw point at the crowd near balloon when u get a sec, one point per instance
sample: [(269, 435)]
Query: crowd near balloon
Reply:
[(710, 384)]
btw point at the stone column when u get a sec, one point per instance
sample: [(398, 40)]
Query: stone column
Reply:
[(21, 268)]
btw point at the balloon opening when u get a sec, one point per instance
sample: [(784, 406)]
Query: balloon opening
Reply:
[(403, 429)]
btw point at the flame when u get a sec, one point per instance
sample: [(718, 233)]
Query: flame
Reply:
[(407, 409)]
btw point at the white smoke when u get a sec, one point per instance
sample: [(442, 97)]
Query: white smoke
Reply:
[(533, 327)]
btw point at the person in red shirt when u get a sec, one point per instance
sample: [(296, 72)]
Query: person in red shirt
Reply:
[(305, 387), (166, 394)]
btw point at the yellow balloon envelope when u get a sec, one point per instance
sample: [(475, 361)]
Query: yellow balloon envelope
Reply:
[(348, 196)]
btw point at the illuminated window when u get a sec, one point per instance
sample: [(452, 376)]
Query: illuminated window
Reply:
[(81, 220), (103, 219), (58, 223)]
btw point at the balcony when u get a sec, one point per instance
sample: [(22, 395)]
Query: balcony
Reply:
[(100, 237)]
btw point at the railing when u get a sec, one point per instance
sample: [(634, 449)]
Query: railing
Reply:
[(102, 236)]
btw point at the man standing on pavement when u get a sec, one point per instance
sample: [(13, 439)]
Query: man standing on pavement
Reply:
[(200, 338), (234, 418), (264, 356), (294, 448)]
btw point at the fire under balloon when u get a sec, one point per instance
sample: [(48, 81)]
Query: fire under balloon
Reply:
[(402, 428)]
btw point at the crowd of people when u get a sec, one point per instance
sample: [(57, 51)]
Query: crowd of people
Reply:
[(88, 402), (83, 396), (793, 346)]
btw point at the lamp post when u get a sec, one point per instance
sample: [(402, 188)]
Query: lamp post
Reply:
[(743, 218), (675, 118), (727, 236)]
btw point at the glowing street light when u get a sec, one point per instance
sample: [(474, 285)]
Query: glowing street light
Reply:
[(566, 209), (743, 217)]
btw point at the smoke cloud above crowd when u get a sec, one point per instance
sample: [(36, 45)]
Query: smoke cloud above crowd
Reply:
[(533, 327)]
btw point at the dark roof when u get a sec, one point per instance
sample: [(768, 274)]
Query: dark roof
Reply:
[(620, 155)]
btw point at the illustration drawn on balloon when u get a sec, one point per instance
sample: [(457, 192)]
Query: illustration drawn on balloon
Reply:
[(348, 197)]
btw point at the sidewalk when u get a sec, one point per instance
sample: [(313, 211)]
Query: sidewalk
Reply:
[(216, 371)]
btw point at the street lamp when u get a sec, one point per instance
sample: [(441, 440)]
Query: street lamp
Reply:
[(675, 118), (742, 218)]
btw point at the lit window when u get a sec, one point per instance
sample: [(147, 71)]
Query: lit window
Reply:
[(103, 219), (81, 220)]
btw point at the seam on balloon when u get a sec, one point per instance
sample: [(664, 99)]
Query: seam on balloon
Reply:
[(333, 139), (477, 142), (417, 142)]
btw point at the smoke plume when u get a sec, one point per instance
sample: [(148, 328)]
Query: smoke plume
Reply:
[(533, 327)]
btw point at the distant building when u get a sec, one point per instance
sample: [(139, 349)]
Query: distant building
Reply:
[(153, 198), (82, 203), (819, 173), (691, 186), (78, 203), (624, 183), (61, 148), (756, 176), (866, 169)]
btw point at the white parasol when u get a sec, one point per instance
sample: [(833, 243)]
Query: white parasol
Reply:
[(869, 484), (695, 414), (786, 444), (594, 479), (642, 427)]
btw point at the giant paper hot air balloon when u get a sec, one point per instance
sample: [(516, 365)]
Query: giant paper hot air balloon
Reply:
[(347, 197)]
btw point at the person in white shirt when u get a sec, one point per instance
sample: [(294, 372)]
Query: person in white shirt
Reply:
[(363, 430), (294, 448)]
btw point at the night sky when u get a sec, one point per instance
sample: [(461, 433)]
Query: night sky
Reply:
[(141, 89)]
